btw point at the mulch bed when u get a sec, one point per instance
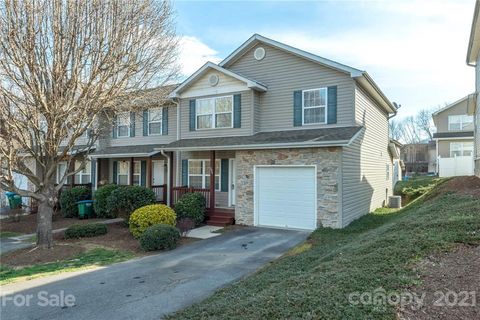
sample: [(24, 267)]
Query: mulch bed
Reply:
[(30, 256), (28, 224), (463, 185), (447, 279)]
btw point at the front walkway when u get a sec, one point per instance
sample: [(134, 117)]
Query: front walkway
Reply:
[(151, 287)]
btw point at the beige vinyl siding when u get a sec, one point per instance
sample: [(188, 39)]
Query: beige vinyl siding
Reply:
[(364, 183), (283, 73), (256, 111), (441, 119), (202, 86), (221, 198), (246, 113), (444, 146), (139, 139)]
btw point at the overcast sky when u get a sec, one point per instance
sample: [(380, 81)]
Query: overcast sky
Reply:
[(414, 50)]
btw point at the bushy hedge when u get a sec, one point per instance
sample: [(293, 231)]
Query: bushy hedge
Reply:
[(159, 237), (150, 215), (69, 198), (192, 206), (125, 199), (85, 230), (100, 205)]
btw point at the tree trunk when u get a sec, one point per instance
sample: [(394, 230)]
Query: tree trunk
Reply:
[(44, 219)]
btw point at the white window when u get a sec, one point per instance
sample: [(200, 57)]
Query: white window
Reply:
[(199, 174), (137, 175), (459, 149), (314, 104), (215, 112), (61, 170), (122, 172), (84, 176), (459, 122), (155, 121), (123, 124)]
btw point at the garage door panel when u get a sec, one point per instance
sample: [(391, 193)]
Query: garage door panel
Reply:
[(286, 197)]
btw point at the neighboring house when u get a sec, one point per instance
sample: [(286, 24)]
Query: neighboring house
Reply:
[(473, 59), (272, 136), (454, 138), (397, 163), (416, 158)]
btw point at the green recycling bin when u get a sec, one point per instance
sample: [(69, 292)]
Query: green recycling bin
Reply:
[(14, 200), (85, 209)]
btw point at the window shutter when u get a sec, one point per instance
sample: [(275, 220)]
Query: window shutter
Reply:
[(145, 123), (93, 172), (115, 166), (237, 111), (297, 108), (192, 115), (224, 175), (332, 104), (132, 124), (185, 172), (143, 173), (114, 130), (164, 121)]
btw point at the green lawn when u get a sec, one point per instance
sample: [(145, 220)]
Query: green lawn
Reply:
[(379, 250), (416, 186), (91, 258), (8, 234)]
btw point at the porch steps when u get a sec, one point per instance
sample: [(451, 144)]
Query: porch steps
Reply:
[(220, 217)]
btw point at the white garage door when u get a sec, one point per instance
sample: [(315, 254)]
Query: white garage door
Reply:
[(285, 197)]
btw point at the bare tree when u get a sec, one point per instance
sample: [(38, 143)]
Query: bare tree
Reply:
[(411, 132), (424, 123), (395, 129), (64, 65)]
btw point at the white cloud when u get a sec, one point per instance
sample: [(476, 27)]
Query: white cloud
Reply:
[(194, 53)]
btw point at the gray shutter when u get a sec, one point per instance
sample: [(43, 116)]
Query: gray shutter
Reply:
[(132, 124), (114, 128), (145, 123), (93, 172), (185, 172), (164, 121), (224, 175), (332, 104), (297, 108), (143, 173), (237, 111), (115, 170), (192, 115)]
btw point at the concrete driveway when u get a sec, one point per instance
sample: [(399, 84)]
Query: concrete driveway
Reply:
[(151, 287)]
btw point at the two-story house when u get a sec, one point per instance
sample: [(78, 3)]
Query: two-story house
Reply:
[(282, 138), (473, 59), (454, 138)]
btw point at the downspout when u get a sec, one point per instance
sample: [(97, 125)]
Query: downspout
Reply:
[(169, 165)]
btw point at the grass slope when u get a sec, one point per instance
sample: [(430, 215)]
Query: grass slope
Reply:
[(376, 251), (94, 257)]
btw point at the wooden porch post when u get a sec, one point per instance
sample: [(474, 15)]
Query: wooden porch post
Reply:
[(131, 171), (99, 172), (170, 202), (212, 179), (149, 173)]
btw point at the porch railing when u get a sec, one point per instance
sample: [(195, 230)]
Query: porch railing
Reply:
[(160, 192), (178, 192)]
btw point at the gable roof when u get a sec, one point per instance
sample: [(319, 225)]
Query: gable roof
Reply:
[(474, 41), (255, 85), (452, 104), (360, 76)]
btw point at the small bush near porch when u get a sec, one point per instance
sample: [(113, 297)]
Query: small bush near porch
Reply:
[(191, 206), (126, 199)]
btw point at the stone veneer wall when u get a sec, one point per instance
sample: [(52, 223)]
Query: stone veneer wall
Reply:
[(328, 161)]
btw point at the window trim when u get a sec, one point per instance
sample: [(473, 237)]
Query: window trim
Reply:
[(58, 171), (117, 126), (462, 117), (150, 122), (461, 149), (214, 113), (118, 173), (79, 175), (139, 174), (206, 175), (326, 106)]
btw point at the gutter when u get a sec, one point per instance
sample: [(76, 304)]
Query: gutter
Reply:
[(124, 155)]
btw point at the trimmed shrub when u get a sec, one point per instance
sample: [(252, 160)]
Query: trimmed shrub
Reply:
[(159, 237), (102, 210), (77, 231), (126, 199), (192, 206), (69, 198), (150, 215)]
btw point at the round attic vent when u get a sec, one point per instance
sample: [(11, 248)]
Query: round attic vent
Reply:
[(213, 80), (259, 53)]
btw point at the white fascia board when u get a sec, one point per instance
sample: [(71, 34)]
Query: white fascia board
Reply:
[(124, 155), (371, 87), (210, 65), (452, 104)]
